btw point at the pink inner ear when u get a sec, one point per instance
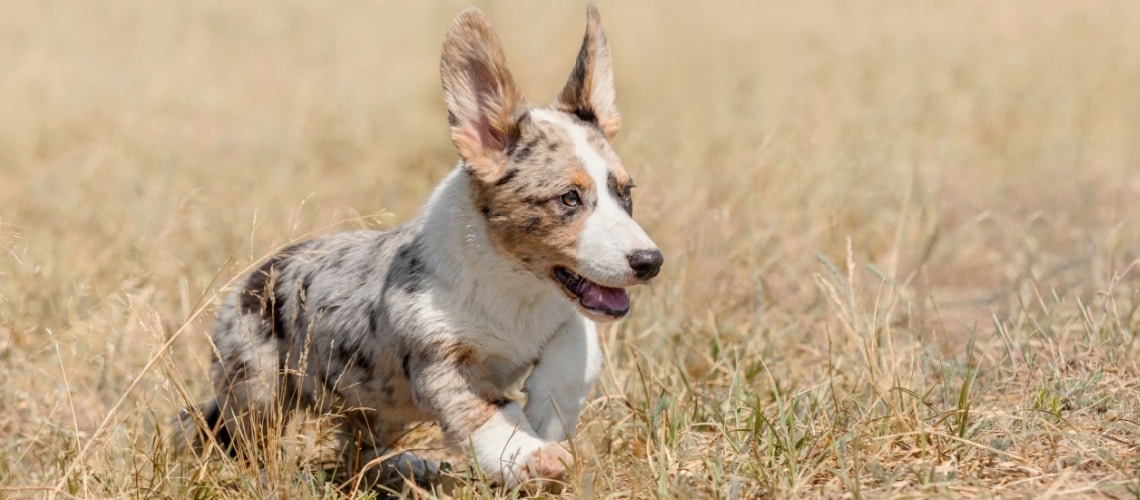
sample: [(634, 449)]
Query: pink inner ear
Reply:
[(485, 87), (488, 139), (468, 141), (610, 126)]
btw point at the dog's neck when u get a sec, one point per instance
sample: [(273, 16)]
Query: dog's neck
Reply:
[(462, 255)]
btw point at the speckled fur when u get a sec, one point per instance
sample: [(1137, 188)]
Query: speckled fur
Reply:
[(436, 319)]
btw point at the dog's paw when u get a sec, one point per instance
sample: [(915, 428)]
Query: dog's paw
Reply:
[(549, 461), (541, 468)]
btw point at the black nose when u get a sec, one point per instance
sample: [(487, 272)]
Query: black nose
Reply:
[(646, 263)]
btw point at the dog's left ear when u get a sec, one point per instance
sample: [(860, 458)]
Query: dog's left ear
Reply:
[(484, 106), (589, 94)]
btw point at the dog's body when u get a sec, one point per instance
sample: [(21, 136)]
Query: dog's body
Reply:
[(520, 249)]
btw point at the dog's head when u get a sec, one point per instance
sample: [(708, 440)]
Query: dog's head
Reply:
[(551, 188)]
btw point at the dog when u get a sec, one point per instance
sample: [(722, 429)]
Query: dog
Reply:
[(503, 276)]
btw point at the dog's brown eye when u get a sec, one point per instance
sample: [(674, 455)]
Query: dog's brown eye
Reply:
[(571, 198)]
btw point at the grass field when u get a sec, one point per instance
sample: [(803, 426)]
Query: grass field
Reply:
[(901, 237)]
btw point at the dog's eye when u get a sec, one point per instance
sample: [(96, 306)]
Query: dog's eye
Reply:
[(571, 199)]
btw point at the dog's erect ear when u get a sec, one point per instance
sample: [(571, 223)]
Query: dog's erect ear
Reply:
[(589, 93), (484, 106)]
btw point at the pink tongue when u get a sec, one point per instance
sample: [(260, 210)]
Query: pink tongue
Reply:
[(595, 296)]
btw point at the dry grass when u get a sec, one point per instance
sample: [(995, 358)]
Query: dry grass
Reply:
[(901, 237)]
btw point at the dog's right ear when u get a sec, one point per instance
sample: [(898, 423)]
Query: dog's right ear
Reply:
[(484, 106)]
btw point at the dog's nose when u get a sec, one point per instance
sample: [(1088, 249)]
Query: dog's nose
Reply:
[(646, 263)]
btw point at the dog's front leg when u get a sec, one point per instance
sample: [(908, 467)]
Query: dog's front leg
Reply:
[(458, 391), (560, 383)]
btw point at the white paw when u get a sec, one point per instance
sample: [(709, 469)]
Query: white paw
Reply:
[(546, 463)]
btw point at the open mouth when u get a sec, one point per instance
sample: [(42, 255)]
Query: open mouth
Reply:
[(592, 296)]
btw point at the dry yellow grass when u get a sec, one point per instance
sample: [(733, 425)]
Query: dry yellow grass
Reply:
[(901, 237)]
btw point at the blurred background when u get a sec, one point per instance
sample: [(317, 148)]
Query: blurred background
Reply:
[(900, 236)]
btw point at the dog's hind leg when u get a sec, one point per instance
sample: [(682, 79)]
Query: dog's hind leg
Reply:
[(248, 384), (193, 426), (246, 377)]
